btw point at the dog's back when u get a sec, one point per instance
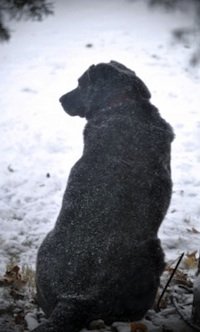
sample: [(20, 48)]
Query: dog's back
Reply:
[(103, 258)]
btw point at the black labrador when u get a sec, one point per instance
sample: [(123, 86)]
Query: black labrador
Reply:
[(103, 258)]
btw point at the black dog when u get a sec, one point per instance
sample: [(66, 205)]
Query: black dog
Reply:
[(103, 258)]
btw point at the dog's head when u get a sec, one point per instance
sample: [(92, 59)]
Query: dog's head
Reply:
[(103, 85)]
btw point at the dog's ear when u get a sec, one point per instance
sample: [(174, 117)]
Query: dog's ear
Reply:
[(140, 88), (136, 85), (121, 67)]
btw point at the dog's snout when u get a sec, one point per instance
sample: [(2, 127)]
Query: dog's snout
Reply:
[(61, 99), (72, 103)]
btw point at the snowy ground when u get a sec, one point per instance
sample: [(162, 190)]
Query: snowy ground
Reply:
[(39, 142)]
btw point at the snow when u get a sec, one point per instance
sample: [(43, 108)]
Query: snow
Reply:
[(39, 143)]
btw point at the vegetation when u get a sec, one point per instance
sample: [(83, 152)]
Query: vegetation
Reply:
[(21, 9)]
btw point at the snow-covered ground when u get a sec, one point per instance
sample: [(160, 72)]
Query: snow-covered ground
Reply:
[(39, 143)]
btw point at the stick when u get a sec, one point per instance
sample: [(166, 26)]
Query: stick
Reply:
[(168, 282)]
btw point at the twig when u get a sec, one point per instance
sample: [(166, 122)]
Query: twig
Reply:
[(168, 282), (188, 289), (193, 326)]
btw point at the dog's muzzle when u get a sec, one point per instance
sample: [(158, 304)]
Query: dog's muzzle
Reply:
[(72, 104)]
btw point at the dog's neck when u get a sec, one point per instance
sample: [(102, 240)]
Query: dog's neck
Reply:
[(117, 102)]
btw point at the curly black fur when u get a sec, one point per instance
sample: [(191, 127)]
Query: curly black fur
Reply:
[(103, 258)]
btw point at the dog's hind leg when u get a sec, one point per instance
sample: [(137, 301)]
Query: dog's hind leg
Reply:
[(66, 317)]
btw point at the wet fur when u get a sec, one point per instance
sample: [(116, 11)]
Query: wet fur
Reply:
[(103, 258)]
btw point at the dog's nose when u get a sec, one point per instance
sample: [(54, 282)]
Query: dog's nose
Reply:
[(61, 99)]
